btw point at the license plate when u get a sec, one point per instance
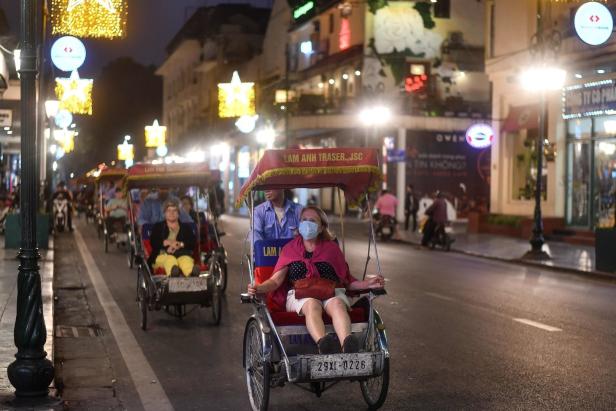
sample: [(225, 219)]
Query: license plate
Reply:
[(386, 231), (341, 365), (187, 285)]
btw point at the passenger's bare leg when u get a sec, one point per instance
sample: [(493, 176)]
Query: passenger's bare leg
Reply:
[(313, 311), (337, 310)]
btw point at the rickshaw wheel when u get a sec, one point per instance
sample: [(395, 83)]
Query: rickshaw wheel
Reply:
[(374, 390), (131, 257), (215, 301), (218, 271), (142, 297), (256, 368)]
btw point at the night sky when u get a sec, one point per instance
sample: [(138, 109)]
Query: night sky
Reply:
[(151, 25)]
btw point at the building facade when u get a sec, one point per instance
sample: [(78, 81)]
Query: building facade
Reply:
[(421, 60), (579, 172)]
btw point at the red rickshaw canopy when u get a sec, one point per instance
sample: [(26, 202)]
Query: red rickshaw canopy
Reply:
[(111, 174), (354, 170), (171, 175)]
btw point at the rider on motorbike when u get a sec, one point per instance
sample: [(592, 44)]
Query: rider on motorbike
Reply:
[(386, 205), (63, 192)]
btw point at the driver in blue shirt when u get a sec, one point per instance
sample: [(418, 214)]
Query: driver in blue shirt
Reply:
[(278, 217), (151, 211)]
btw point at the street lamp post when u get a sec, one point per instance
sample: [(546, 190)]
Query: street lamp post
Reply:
[(31, 372), (541, 78)]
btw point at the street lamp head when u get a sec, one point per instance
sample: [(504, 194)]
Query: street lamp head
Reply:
[(51, 108), (375, 116), (543, 78)]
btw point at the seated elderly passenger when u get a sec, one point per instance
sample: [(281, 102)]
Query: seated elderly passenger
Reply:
[(172, 244), (311, 270)]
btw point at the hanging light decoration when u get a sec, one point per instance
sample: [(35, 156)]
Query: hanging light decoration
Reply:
[(65, 139), (155, 135), (126, 151), (89, 18), (75, 94), (236, 99)]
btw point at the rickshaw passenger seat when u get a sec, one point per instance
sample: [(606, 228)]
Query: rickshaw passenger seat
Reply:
[(266, 257)]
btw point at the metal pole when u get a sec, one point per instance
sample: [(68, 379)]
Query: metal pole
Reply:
[(537, 241), (31, 372)]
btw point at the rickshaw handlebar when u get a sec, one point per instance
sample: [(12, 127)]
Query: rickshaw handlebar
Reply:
[(246, 298)]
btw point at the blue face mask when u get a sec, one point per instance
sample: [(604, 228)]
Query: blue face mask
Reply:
[(308, 230)]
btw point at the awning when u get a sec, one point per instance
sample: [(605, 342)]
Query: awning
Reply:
[(521, 117)]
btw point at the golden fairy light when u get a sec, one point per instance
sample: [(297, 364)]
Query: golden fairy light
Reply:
[(89, 18), (126, 151), (236, 99), (65, 139), (75, 94), (155, 135)]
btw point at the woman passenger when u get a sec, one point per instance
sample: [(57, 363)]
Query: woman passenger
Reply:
[(314, 254), (173, 243)]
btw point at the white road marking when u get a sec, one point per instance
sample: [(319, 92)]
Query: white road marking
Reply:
[(152, 396), (536, 324), (439, 296)]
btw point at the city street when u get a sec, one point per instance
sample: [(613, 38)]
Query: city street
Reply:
[(465, 333)]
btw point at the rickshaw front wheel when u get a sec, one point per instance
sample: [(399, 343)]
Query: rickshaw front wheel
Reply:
[(215, 300), (374, 390), (142, 297), (257, 369)]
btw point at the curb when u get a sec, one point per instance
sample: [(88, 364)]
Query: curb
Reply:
[(601, 275)]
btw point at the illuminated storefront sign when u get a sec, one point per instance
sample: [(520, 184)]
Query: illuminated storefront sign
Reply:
[(480, 136), (344, 37), (303, 9), (590, 99), (68, 53), (593, 23)]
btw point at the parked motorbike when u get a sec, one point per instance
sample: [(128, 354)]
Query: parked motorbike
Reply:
[(60, 213)]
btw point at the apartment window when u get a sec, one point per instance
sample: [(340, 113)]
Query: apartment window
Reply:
[(492, 28), (442, 9), (331, 23)]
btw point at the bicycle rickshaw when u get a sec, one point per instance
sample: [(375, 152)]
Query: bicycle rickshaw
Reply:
[(112, 233), (277, 346), (154, 289)]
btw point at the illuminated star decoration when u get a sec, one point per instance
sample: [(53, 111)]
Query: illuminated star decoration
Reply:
[(75, 94), (65, 139), (126, 151), (105, 3), (89, 18), (236, 99), (155, 135)]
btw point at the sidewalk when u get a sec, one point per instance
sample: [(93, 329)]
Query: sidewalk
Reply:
[(565, 257), (8, 310)]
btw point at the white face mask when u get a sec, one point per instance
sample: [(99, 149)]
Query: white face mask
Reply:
[(308, 230)]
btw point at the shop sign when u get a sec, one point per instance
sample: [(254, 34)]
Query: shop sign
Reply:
[(396, 155), (590, 99), (480, 136), (68, 53), (6, 118), (303, 10), (593, 23)]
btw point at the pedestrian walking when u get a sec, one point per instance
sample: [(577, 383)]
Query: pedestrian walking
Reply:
[(411, 205)]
